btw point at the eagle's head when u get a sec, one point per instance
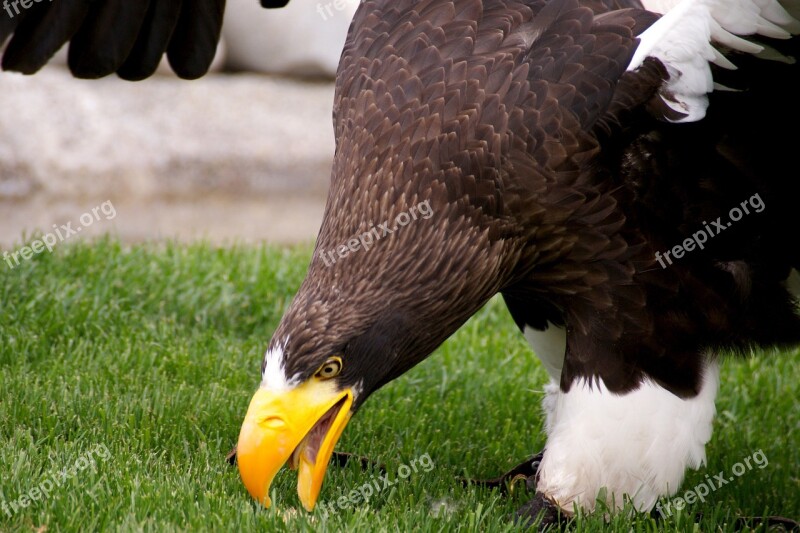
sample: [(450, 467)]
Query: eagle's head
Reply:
[(368, 310)]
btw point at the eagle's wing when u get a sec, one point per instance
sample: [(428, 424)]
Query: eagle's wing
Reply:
[(107, 36)]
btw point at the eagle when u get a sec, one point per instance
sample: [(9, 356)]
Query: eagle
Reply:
[(622, 172)]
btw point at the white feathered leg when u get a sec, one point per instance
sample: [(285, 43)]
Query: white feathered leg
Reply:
[(550, 346), (638, 444)]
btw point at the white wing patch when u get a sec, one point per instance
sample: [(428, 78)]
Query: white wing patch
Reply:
[(682, 40)]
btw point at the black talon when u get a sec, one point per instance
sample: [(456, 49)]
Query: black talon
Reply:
[(527, 470), (540, 513)]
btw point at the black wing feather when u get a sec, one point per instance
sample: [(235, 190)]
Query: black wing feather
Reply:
[(106, 37), (122, 36), (42, 33), (194, 42), (157, 29)]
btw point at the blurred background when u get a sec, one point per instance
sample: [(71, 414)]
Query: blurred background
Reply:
[(241, 155)]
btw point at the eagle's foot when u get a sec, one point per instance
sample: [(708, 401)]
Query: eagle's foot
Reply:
[(526, 471), (542, 514)]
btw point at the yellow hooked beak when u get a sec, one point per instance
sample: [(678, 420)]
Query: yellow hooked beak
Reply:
[(300, 425)]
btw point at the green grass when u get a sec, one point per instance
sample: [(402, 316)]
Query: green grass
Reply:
[(153, 352)]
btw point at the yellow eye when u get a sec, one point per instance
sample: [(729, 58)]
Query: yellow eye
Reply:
[(330, 369)]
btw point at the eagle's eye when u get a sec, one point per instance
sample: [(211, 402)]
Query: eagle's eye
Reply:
[(330, 369)]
